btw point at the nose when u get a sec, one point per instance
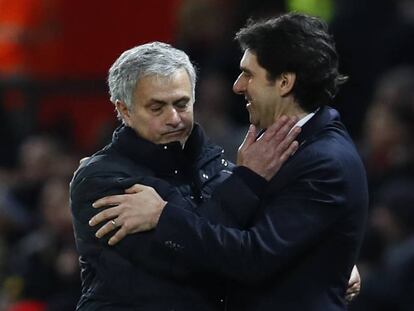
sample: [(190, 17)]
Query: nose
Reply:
[(239, 85), (173, 118)]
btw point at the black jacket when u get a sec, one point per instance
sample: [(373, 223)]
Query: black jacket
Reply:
[(138, 274), (298, 252)]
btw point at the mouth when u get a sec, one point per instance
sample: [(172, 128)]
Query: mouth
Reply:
[(174, 133)]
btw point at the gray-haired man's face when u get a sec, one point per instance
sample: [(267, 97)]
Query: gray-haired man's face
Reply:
[(162, 108)]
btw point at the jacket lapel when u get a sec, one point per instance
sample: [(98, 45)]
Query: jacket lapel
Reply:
[(311, 130)]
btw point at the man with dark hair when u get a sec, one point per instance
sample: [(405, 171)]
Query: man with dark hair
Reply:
[(304, 238)]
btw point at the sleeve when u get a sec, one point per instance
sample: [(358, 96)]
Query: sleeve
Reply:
[(288, 224), (137, 247), (235, 201)]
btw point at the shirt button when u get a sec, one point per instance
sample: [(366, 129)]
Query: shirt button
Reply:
[(165, 147), (175, 172), (191, 197), (205, 176)]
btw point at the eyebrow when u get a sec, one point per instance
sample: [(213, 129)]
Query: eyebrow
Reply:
[(162, 102), (246, 70)]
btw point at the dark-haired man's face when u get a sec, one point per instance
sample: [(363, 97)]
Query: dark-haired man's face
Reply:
[(262, 96)]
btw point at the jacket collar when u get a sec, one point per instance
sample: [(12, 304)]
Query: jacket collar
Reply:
[(163, 159), (323, 117)]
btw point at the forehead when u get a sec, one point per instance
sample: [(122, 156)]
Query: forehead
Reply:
[(250, 65), (249, 60), (176, 84)]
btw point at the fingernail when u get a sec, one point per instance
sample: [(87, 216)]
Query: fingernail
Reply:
[(90, 223), (94, 204)]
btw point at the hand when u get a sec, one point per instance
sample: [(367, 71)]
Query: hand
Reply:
[(266, 155), (137, 210), (354, 285)]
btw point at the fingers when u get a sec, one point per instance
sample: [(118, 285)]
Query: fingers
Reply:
[(250, 137), (106, 228), (280, 128), (286, 145), (112, 200), (286, 128), (126, 229), (136, 188), (105, 215), (289, 151), (274, 128), (118, 236)]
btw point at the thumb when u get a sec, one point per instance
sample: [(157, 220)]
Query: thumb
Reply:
[(250, 136), (135, 189)]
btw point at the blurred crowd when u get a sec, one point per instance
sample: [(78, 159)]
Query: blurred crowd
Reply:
[(54, 110)]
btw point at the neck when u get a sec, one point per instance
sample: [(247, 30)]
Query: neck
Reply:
[(291, 109)]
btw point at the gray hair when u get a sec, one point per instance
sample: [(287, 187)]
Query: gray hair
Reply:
[(155, 58)]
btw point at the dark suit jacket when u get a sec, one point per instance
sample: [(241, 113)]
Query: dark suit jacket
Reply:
[(300, 248)]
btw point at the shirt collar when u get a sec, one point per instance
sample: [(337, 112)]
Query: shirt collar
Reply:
[(305, 119)]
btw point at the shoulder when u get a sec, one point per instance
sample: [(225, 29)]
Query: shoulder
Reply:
[(329, 159), (108, 162), (104, 169), (331, 147)]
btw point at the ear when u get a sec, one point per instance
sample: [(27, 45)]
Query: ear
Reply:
[(124, 112), (286, 83)]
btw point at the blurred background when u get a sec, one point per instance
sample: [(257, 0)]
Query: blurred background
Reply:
[(54, 110)]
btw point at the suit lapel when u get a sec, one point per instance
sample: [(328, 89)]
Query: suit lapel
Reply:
[(310, 131)]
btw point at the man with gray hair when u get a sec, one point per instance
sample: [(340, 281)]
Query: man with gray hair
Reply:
[(158, 145)]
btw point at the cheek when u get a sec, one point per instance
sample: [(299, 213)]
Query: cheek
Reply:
[(149, 128), (187, 117), (154, 126)]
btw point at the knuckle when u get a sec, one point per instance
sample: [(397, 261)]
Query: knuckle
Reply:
[(103, 215), (126, 226)]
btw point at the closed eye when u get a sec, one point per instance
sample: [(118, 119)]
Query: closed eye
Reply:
[(182, 103), (156, 108)]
